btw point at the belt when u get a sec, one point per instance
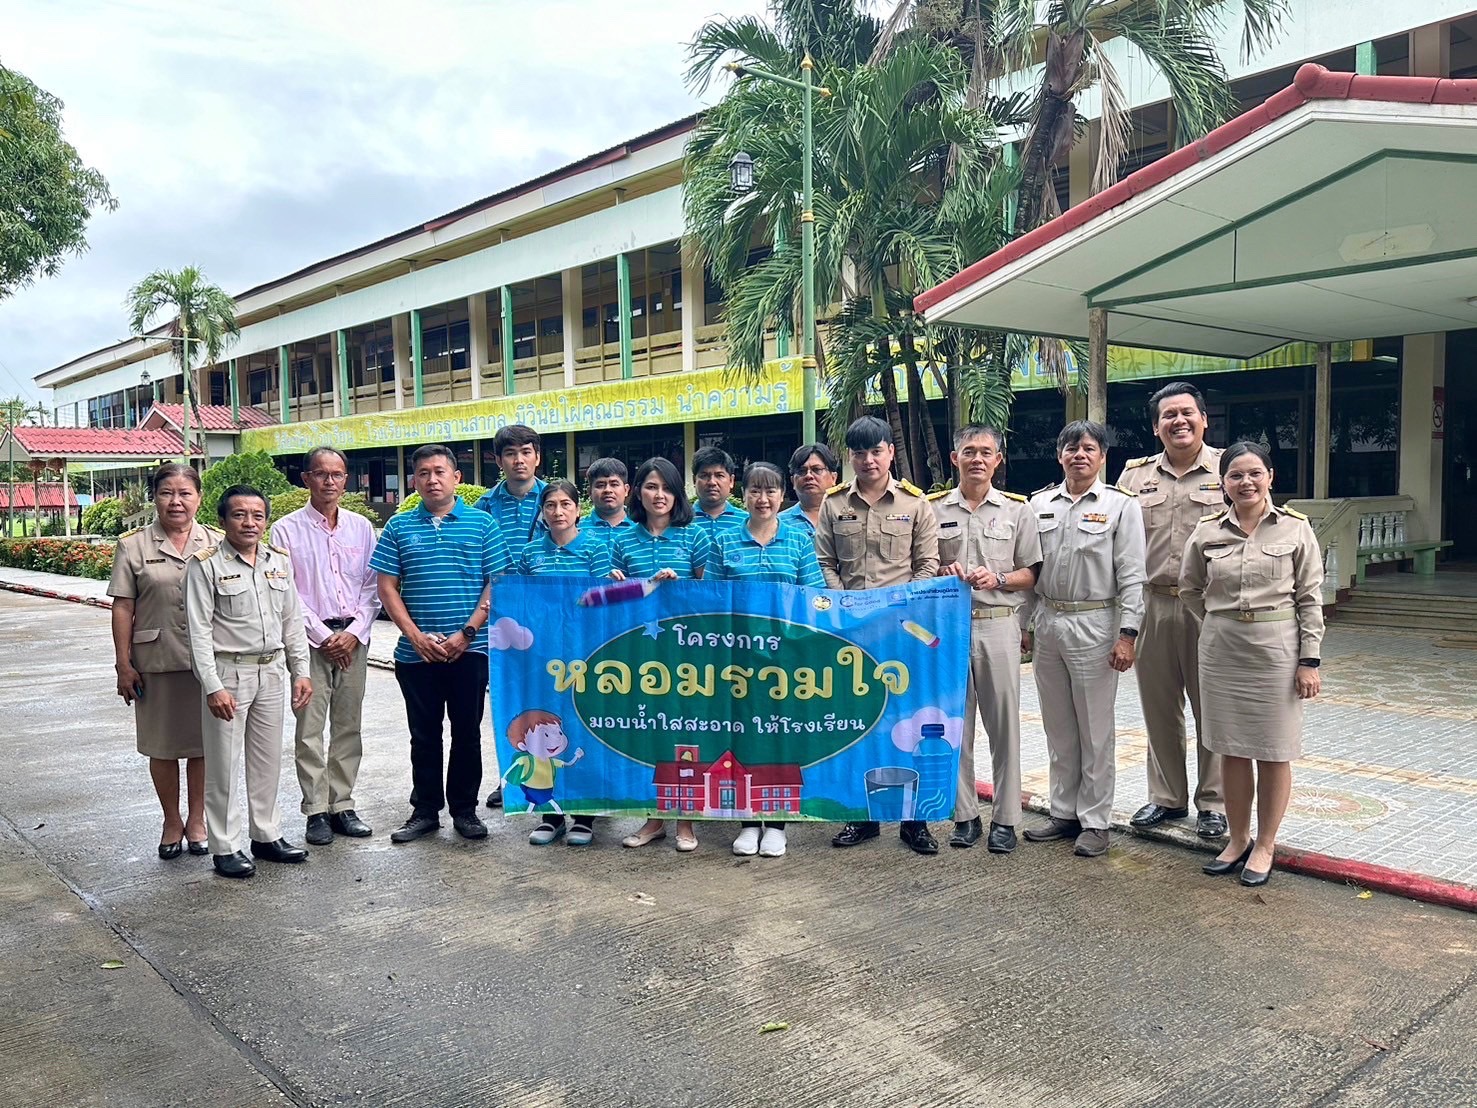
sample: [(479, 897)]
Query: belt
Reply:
[(1078, 605), (250, 659), (1278, 616), (999, 611), (1164, 590), (338, 624)]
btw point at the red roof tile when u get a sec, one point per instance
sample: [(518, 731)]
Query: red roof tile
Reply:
[(25, 496), (213, 417), (83, 442)]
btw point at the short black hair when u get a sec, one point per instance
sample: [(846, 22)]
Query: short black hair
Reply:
[(681, 506), (763, 475), (818, 449), (867, 432), (312, 456), (607, 467), (710, 456), (238, 492), (173, 469), (1080, 429), (1246, 446), (1174, 388), (558, 484), (432, 450), (974, 430), (516, 434)]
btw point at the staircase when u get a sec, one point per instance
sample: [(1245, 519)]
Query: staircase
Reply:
[(1413, 611)]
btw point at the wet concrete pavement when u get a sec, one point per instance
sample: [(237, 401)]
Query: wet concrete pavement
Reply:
[(446, 972)]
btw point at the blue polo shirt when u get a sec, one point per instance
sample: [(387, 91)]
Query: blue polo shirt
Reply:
[(443, 565), (636, 552), (584, 556), (713, 526), (787, 559), (597, 528), (794, 516), (516, 519)]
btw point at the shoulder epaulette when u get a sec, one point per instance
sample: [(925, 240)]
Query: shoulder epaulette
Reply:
[(910, 488), (1125, 492), (1046, 488), (205, 553), (939, 495), (842, 487), (1294, 513), (278, 550), (1212, 515), (130, 534), (1134, 463), (209, 530), (1013, 496)]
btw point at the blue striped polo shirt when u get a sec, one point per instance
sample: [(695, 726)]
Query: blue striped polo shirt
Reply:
[(787, 559), (443, 565), (517, 519), (713, 526), (636, 552), (598, 528), (584, 556), (796, 517)]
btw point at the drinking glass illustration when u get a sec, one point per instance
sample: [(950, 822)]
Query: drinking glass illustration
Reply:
[(890, 793)]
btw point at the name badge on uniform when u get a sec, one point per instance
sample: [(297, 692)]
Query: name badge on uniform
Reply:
[(1215, 545), (847, 518), (948, 523), (153, 561), (901, 517), (1046, 515), (1149, 486), (230, 577), (1094, 517)]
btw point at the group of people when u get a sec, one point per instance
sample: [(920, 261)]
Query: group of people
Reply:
[(1184, 568)]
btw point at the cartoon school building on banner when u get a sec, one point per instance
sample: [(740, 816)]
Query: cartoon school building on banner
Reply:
[(725, 788)]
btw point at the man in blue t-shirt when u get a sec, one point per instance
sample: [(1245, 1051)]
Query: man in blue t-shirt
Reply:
[(713, 472), (610, 492), (513, 501)]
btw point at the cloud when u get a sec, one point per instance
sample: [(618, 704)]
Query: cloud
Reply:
[(509, 634), (908, 733)]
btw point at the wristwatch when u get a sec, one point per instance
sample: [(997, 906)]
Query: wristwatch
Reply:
[(1128, 633), (470, 633), (999, 581)]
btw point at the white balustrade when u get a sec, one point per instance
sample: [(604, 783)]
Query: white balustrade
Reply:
[(1381, 534)]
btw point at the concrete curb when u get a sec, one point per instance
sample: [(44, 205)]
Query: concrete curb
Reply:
[(31, 590), (1348, 871)]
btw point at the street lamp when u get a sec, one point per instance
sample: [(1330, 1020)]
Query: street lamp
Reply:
[(145, 379), (741, 175)]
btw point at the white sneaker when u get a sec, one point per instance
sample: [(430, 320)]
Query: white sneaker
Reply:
[(747, 842), (773, 843)]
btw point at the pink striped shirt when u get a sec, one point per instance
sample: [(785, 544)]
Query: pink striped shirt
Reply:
[(330, 566)]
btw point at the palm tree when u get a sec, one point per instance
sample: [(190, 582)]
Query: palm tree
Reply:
[(907, 185), (203, 314)]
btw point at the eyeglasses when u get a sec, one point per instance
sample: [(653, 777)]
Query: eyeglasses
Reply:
[(812, 471), (328, 478)]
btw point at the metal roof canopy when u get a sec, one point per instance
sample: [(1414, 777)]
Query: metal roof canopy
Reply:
[(1341, 208)]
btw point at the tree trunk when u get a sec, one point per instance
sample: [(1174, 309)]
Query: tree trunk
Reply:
[(895, 418), (918, 399), (1051, 132)]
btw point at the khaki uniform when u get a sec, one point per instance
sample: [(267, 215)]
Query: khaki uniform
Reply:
[(1261, 600), (1167, 665), (1091, 584), (242, 620), (1001, 535), (870, 546), (148, 570)]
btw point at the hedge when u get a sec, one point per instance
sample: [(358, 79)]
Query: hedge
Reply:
[(73, 557)]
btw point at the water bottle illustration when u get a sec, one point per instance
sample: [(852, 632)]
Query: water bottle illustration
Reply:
[(934, 762)]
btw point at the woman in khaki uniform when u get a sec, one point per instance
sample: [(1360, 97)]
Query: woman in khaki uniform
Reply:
[(152, 653), (1253, 574)]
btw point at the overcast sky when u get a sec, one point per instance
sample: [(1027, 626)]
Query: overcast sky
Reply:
[(252, 137)]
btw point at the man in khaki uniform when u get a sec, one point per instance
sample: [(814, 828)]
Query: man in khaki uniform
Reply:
[(1090, 601), (1175, 488), (243, 615), (989, 540), (872, 534)]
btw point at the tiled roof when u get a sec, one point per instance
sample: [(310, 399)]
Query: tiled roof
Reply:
[(213, 417), (25, 496), (84, 442)]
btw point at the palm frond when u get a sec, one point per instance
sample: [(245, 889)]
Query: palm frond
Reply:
[(1114, 124)]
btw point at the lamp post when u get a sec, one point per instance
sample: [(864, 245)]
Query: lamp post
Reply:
[(741, 176), (182, 337)]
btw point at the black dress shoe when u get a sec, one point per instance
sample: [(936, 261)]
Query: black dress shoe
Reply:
[(320, 830), (856, 832), (279, 851), (1054, 831), (1210, 825), (918, 837), (414, 828), (1231, 865), (1252, 879), (495, 798), (170, 851), (469, 826), (199, 848), (1152, 815), (1002, 838), (348, 823), (966, 834), (234, 865)]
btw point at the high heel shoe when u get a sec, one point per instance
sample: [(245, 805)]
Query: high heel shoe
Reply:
[(170, 851), (1253, 880), (1219, 868), (202, 847)]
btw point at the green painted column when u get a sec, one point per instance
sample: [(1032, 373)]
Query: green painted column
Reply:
[(235, 393), (782, 332), (506, 298), (417, 358), (343, 373), (284, 386), (623, 294), (1364, 59)]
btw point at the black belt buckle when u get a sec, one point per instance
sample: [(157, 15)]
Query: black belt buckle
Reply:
[(337, 624)]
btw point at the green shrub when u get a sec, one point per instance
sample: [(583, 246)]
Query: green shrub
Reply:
[(74, 557), (470, 494), (103, 517), (293, 499), (255, 469)]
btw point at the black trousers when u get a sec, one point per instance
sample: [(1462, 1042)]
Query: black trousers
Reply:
[(456, 692)]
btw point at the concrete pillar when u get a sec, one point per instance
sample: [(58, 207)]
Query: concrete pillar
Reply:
[(477, 340), (689, 448), (1097, 364), (692, 304), (1430, 51), (1322, 420), (1422, 373), (400, 338), (571, 286), (571, 463)]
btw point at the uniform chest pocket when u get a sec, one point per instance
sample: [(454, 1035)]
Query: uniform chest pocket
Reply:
[(1207, 498), (235, 598), (1093, 526), (1220, 567), (1273, 562), (951, 542), (896, 539), (1051, 533), (1155, 505), (851, 538)]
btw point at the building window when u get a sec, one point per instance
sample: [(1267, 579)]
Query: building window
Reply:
[(256, 386), (220, 393)]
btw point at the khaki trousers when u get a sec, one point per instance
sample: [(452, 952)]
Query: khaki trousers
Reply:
[(1168, 670), (327, 776), (1077, 689), (994, 694), (256, 732)]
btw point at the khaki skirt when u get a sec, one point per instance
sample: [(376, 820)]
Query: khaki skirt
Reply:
[(1248, 691), (167, 719)]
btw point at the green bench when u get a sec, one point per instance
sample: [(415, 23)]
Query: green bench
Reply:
[(1422, 555)]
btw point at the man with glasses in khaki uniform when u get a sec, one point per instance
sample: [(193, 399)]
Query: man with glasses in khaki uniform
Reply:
[(989, 540), (1175, 488)]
